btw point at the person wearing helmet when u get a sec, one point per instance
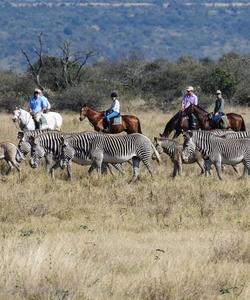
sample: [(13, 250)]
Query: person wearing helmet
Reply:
[(114, 110), (37, 105), (189, 99), (218, 108)]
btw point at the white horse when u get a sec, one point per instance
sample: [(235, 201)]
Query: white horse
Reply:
[(26, 122)]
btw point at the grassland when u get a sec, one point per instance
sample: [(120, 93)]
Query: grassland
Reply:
[(186, 238)]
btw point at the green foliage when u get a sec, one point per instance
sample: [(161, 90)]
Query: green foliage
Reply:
[(156, 84)]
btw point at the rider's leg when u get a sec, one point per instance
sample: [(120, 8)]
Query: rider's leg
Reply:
[(37, 118), (192, 121)]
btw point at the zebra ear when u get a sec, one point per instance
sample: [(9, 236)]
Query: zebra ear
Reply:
[(190, 133), (32, 139), (62, 140), (20, 135)]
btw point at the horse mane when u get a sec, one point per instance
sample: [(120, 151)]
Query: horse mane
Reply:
[(202, 109)]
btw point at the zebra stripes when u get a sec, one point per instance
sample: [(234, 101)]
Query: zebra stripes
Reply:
[(174, 150), (219, 150), (121, 148)]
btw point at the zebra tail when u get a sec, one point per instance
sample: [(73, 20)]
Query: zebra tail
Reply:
[(156, 155)]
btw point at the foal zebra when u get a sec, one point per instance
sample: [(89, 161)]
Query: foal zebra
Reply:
[(121, 148), (219, 150), (174, 150)]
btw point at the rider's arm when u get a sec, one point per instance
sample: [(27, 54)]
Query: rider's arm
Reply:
[(195, 100)]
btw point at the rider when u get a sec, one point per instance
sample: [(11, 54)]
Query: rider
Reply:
[(37, 105), (218, 108), (114, 110), (189, 99), (45, 101)]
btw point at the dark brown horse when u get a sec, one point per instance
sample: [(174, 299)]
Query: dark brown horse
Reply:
[(130, 124), (180, 121), (235, 121)]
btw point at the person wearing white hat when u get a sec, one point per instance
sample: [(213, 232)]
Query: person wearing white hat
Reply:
[(218, 108), (37, 105), (189, 99)]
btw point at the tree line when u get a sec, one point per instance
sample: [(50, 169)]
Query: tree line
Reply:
[(69, 79)]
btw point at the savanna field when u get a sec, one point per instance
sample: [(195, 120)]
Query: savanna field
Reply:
[(92, 238)]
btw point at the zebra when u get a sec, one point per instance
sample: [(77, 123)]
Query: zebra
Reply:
[(237, 135), (23, 137), (47, 145), (12, 155), (174, 150), (121, 148), (218, 150), (50, 144), (76, 148)]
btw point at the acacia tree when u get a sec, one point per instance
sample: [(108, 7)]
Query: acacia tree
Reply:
[(35, 69), (73, 63)]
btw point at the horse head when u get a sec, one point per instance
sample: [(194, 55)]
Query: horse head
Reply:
[(16, 114), (83, 112)]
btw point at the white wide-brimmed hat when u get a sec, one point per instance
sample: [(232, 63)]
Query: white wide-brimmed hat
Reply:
[(190, 88), (38, 91), (218, 92)]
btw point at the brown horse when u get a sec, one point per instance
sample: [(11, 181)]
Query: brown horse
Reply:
[(235, 121), (130, 124), (180, 121)]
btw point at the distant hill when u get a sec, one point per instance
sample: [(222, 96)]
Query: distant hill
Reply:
[(114, 29)]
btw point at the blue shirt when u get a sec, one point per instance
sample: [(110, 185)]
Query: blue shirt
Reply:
[(36, 104), (46, 103)]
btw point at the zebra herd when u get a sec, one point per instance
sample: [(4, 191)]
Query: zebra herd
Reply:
[(105, 152)]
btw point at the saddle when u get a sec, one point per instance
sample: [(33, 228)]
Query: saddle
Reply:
[(43, 120), (116, 120)]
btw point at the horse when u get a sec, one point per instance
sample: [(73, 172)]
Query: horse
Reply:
[(130, 124), (26, 122), (180, 121), (235, 121)]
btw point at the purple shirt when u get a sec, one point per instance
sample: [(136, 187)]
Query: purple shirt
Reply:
[(188, 100)]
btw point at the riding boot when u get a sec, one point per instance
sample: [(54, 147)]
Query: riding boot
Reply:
[(192, 122), (37, 125)]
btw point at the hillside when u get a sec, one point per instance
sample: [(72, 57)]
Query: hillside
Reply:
[(154, 29)]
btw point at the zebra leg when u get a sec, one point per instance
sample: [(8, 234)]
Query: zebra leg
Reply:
[(207, 167), (69, 170), (48, 162), (218, 169), (246, 170), (201, 167), (136, 169), (10, 167), (175, 169), (52, 169), (92, 167)]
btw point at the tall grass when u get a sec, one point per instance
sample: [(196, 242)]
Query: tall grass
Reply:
[(95, 238)]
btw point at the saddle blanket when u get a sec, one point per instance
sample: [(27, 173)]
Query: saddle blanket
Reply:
[(43, 120), (117, 120)]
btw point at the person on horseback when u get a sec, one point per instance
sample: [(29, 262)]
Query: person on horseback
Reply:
[(45, 100), (218, 108), (112, 112), (189, 99), (37, 105)]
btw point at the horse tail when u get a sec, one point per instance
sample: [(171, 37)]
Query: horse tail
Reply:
[(243, 126), (156, 154)]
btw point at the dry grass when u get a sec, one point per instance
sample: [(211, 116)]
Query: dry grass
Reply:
[(186, 238)]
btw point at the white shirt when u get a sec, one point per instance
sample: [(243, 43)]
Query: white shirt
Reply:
[(115, 106)]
